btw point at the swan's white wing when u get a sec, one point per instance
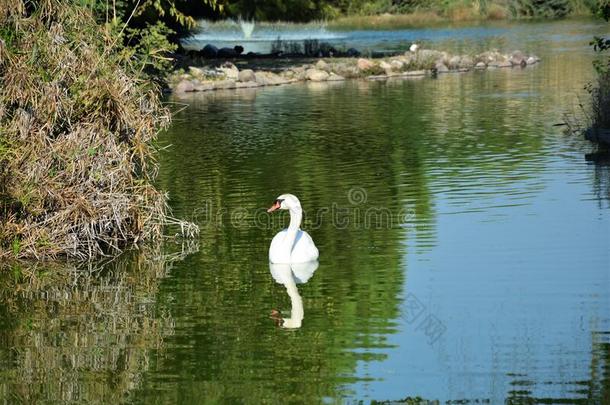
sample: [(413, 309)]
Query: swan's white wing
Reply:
[(304, 249)]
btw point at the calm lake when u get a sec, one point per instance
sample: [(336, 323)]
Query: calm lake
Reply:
[(464, 248)]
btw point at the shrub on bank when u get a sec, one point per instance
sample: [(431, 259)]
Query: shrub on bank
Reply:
[(600, 101), (78, 120), (600, 90)]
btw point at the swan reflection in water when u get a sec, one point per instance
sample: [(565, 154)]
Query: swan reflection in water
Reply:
[(289, 275)]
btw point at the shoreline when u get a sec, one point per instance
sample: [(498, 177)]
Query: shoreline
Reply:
[(220, 74)]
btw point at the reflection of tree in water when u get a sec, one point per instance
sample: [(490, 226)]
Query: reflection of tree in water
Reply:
[(601, 174), (71, 334), (594, 390)]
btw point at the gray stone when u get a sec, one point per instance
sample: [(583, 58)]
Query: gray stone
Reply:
[(335, 77), (227, 53), (428, 56), (298, 73), (365, 64), (205, 86), (532, 60), (322, 65), (269, 79), (229, 70), (209, 51), (517, 58), (415, 73), (196, 72), (346, 70), (377, 77), (316, 75), (441, 68), (466, 62), (246, 75), (184, 86), (397, 65), (224, 84), (386, 67), (454, 62), (500, 64), (246, 85), (489, 56), (407, 59), (480, 65)]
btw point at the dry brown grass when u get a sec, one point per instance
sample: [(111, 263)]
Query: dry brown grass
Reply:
[(463, 12), (78, 122), (387, 21), (497, 12), (600, 101)]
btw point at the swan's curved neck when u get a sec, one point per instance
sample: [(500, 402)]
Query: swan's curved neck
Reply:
[(293, 228), (296, 215)]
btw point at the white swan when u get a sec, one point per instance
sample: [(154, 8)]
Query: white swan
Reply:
[(289, 275), (292, 245)]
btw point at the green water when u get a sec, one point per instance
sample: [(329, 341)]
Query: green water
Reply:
[(464, 252)]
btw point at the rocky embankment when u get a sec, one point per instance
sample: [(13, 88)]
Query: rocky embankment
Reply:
[(412, 63)]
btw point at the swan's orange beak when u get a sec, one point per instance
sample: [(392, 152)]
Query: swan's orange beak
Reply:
[(275, 206)]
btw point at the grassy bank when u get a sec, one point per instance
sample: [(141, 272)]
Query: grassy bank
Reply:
[(78, 122), (389, 16)]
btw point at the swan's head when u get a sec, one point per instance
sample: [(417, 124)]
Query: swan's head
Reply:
[(286, 202)]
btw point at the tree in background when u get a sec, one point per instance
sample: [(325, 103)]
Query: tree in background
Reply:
[(150, 29), (600, 90)]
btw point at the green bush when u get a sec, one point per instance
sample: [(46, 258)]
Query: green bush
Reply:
[(600, 89), (541, 8)]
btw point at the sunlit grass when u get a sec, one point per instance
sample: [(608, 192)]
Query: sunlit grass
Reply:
[(387, 21)]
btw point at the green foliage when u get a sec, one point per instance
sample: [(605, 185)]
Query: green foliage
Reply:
[(150, 46), (541, 8), (272, 10), (602, 9), (149, 29), (602, 44), (16, 247), (600, 89)]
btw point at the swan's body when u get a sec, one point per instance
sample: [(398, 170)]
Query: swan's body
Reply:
[(292, 245), (286, 248)]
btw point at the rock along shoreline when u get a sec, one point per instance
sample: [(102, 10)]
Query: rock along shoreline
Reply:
[(413, 63)]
